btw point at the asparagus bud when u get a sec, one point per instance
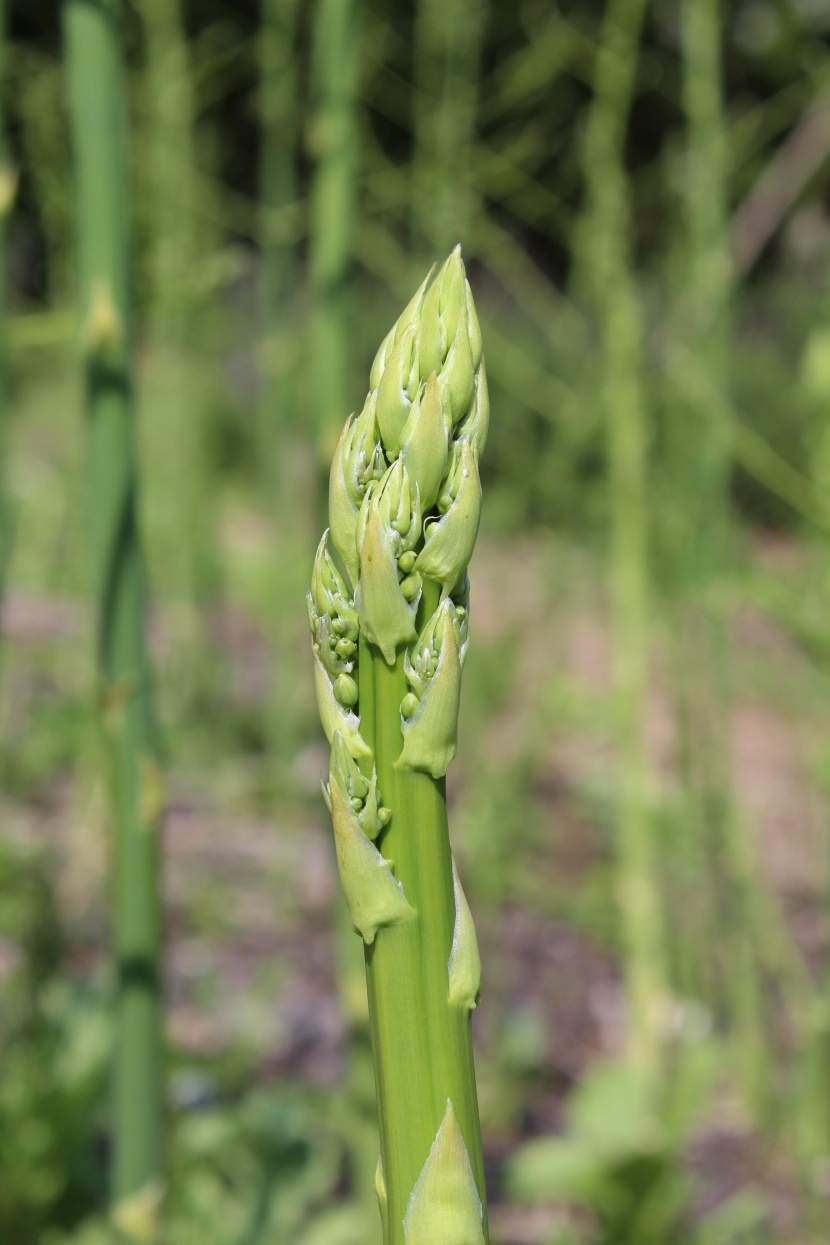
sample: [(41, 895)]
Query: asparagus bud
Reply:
[(450, 540), (426, 442), (389, 526), (434, 674), (373, 897), (358, 461), (389, 639)]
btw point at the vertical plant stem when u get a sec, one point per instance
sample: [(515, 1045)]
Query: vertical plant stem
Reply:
[(177, 236), (448, 39), (404, 508), (701, 476), (93, 60), (279, 122), (7, 192), (423, 1045), (606, 253), (333, 206), (284, 450)]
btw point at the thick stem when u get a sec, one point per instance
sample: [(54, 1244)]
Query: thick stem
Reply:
[(421, 1043), (96, 114)]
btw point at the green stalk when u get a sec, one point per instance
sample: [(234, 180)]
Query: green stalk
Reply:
[(388, 614), (700, 479), (333, 207), (608, 262), (94, 70), (177, 240), (448, 40), (7, 193), (171, 164), (279, 123), (287, 467)]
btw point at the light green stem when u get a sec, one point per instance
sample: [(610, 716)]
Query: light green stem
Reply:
[(94, 70), (333, 206), (702, 461), (448, 39), (606, 256), (422, 1044), (7, 190)]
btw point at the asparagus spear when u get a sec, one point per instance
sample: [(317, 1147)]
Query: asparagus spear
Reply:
[(388, 610)]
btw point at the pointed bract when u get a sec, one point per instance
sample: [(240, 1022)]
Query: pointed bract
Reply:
[(392, 523), (445, 1207), (397, 390), (373, 897), (358, 461), (334, 716), (464, 966), (426, 443), (450, 540), (430, 734)]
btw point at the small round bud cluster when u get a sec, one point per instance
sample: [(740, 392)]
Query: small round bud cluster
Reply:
[(359, 793), (334, 627), (429, 712)]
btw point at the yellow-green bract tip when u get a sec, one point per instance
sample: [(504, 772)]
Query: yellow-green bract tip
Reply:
[(373, 897), (464, 967), (444, 1207)]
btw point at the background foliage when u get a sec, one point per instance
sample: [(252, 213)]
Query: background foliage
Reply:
[(287, 191)]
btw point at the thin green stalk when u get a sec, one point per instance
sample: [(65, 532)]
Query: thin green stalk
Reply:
[(608, 263), (287, 467), (388, 614), (7, 192), (94, 70), (333, 207), (279, 134), (701, 455), (177, 237), (448, 40)]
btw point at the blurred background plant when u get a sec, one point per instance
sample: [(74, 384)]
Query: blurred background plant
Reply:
[(642, 193)]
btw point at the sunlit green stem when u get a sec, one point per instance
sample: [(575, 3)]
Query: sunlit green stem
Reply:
[(606, 256), (92, 46), (421, 1043), (333, 204), (448, 39)]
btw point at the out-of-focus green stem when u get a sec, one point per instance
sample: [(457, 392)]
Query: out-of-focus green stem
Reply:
[(448, 38), (702, 459), (285, 447), (334, 140), (171, 160), (278, 117), (606, 256), (93, 60), (7, 192)]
